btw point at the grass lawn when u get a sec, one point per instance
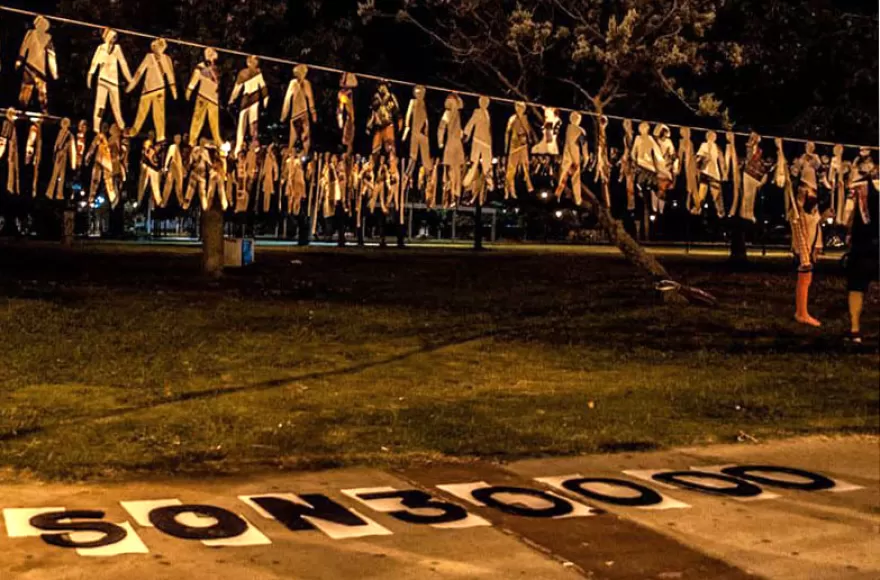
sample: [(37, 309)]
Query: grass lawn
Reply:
[(118, 361)]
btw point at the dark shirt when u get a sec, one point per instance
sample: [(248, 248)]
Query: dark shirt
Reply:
[(866, 236)]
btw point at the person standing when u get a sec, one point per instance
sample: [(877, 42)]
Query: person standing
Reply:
[(806, 233), (863, 259)]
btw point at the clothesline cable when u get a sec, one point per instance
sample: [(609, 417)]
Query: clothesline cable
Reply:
[(29, 114), (389, 80)]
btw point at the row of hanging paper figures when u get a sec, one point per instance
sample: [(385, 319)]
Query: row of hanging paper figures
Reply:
[(649, 162)]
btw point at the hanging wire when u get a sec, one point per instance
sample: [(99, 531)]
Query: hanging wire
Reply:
[(389, 80), (29, 114)]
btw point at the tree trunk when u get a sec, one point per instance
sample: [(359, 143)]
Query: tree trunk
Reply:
[(212, 242), (631, 250), (738, 254), (617, 234)]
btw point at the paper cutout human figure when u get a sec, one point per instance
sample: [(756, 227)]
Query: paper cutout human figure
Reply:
[(253, 90), (862, 170), (345, 110), (645, 153), (33, 151), (151, 172), (37, 54), (712, 172), (836, 177), (64, 157), (575, 155), (82, 134), (479, 131), (416, 128), (754, 176), (104, 166), (644, 149), (780, 169), (666, 164), (549, 133), (384, 122), (107, 61), (120, 146), (173, 169), (9, 147), (217, 180), (268, 177), (450, 138), (517, 137), (370, 185), (326, 181), (199, 163), (806, 168), (338, 184), (342, 182), (688, 166), (157, 71), (246, 174), (238, 183), (358, 191), (627, 172), (362, 184), (602, 172), (205, 78), (299, 104), (381, 185), (294, 182)]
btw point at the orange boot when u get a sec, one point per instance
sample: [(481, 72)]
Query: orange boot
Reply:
[(802, 294)]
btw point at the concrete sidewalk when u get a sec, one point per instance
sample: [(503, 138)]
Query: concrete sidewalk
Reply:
[(799, 534), (543, 519)]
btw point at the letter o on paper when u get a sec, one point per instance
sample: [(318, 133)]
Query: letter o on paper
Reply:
[(558, 506), (646, 496), (739, 487), (815, 481), (227, 525)]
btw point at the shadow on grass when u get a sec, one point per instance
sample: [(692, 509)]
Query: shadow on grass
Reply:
[(256, 387)]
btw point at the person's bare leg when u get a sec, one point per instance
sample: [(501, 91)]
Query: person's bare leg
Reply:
[(856, 300), (802, 294)]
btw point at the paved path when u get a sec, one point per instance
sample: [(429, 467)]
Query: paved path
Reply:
[(603, 516), (714, 251)]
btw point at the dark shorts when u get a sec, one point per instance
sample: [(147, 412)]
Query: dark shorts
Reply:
[(645, 179), (861, 270), (796, 262), (384, 139)]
